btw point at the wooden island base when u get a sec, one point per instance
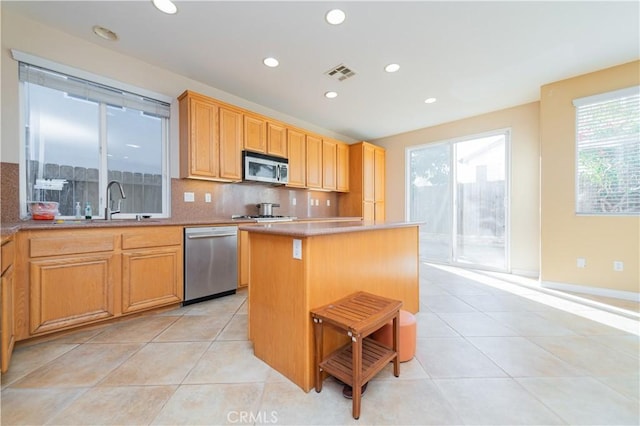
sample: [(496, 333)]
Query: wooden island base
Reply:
[(337, 259)]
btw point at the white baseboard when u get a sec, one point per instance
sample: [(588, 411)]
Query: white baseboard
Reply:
[(526, 273), (596, 291)]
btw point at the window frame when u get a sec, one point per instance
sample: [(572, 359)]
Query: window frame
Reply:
[(103, 177), (584, 102)]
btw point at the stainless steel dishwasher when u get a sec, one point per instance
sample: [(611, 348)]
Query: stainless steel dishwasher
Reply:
[(210, 262)]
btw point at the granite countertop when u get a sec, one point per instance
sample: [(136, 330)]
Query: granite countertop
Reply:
[(325, 228), (8, 229)]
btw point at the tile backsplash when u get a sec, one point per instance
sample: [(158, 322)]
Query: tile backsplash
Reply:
[(226, 198), (241, 198)]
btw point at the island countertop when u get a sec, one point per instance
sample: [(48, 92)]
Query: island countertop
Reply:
[(323, 228)]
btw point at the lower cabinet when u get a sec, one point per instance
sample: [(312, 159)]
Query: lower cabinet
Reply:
[(70, 291), (151, 278), (77, 277), (7, 297)]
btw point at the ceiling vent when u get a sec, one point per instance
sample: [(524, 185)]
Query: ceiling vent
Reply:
[(340, 72)]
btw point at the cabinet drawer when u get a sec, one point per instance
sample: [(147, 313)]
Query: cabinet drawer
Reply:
[(71, 244), (8, 250), (155, 237)]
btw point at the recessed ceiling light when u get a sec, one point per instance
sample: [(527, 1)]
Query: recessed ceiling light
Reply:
[(271, 62), (430, 100), (392, 68), (165, 6), (335, 17), (105, 33), (330, 95)]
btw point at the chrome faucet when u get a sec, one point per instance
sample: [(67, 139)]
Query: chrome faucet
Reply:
[(107, 211)]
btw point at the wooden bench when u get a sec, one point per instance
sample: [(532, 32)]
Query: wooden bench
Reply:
[(357, 362)]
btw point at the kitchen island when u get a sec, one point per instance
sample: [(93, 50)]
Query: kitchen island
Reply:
[(297, 267)]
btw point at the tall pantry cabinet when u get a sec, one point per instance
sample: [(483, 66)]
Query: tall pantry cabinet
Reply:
[(366, 183)]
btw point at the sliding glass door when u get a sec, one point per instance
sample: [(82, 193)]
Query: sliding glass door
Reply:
[(459, 189)]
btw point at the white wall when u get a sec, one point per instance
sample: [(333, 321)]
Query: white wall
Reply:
[(18, 32)]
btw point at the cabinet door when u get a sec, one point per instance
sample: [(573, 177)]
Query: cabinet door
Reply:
[(151, 277), (255, 134), (66, 292), (230, 144), (7, 340), (368, 173), (368, 211), (296, 147), (342, 167), (329, 150), (379, 165), (202, 150), (314, 162), (276, 140)]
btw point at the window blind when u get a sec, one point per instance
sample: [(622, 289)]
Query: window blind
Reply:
[(91, 91), (608, 153)]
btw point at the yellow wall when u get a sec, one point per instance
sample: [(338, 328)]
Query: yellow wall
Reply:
[(525, 206), (565, 236)]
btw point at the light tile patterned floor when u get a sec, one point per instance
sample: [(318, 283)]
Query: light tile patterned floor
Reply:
[(488, 352)]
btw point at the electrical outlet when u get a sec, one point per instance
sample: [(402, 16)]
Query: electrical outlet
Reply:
[(618, 266), (581, 263), (207, 198), (317, 202), (297, 249), (311, 201), (293, 201), (189, 197), (328, 203)]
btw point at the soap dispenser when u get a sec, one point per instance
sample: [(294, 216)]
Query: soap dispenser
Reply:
[(78, 210), (87, 211)]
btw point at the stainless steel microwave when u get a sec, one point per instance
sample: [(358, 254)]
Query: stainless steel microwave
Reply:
[(264, 168)]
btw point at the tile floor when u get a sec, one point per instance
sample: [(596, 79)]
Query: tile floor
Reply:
[(488, 352)]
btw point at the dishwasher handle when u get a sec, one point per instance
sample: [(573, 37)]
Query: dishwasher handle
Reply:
[(197, 236)]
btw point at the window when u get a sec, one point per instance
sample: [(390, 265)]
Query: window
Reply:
[(608, 153), (80, 135)]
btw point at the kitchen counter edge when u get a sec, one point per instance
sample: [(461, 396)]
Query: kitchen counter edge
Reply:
[(9, 229), (325, 228)]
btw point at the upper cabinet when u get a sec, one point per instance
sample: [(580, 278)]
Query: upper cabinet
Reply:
[(210, 139), (264, 136), (198, 137), (230, 143), (213, 135), (327, 164), (276, 139), (342, 167), (366, 196), (297, 154), (255, 133), (314, 162), (329, 149)]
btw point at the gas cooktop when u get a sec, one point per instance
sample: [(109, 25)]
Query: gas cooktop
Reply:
[(264, 218)]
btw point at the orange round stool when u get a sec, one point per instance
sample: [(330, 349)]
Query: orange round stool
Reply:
[(407, 344)]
